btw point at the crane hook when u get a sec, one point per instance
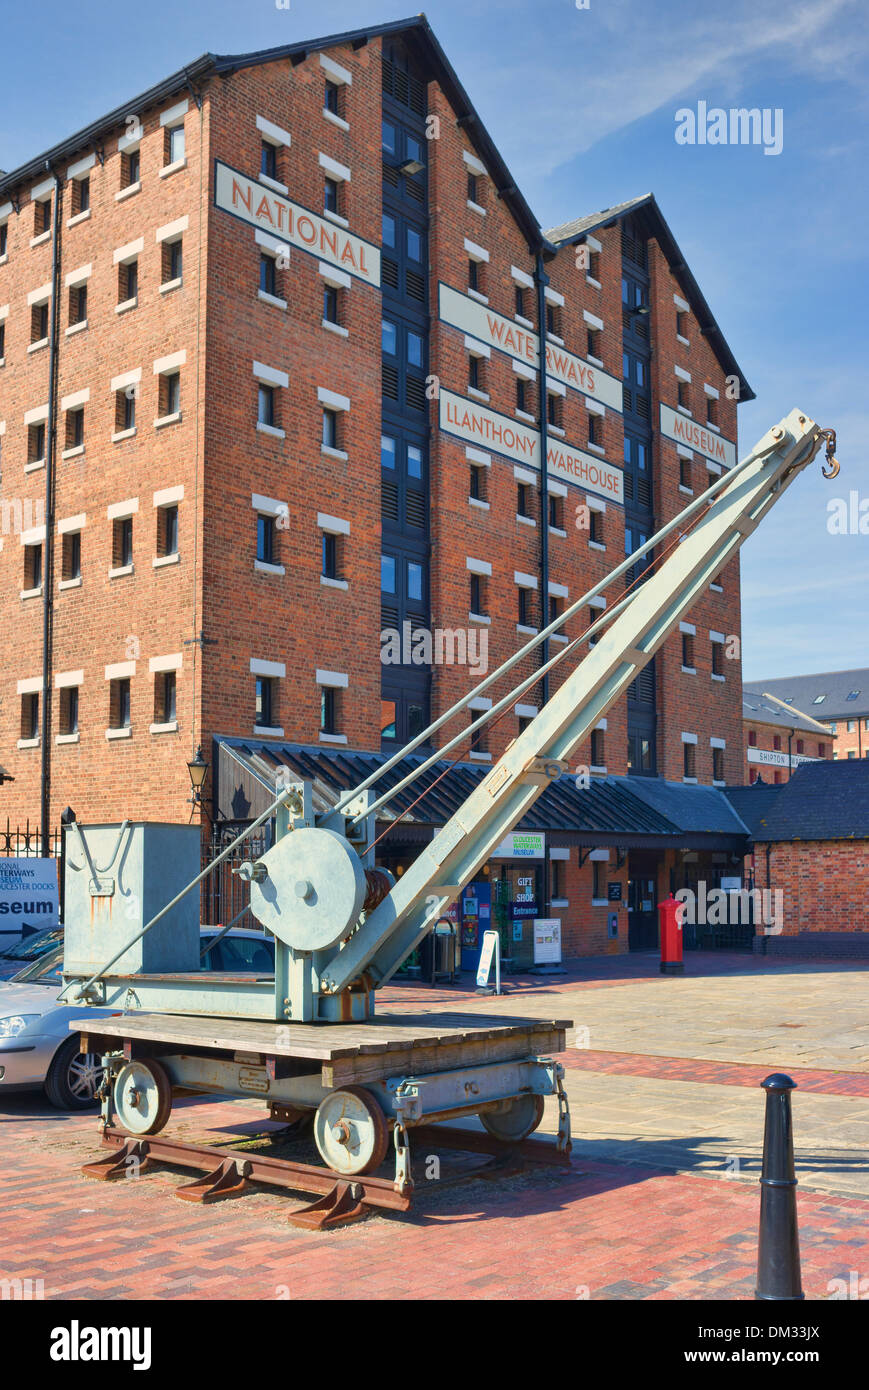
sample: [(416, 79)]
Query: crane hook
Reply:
[(833, 472)]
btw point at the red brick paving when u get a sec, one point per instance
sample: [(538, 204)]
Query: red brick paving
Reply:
[(828, 1083), (619, 1231)]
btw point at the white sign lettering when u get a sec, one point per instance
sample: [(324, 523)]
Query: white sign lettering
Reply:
[(479, 425), (763, 755), (287, 221), (493, 329), (685, 431)]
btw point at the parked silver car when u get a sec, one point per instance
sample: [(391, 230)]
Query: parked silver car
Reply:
[(28, 948), (37, 1049)]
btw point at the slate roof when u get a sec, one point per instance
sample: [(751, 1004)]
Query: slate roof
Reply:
[(655, 225), (753, 804), (417, 33), (757, 710), (835, 686), (822, 801), (627, 807)]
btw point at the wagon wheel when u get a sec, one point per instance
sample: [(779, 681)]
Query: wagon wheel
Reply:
[(142, 1097), (518, 1118), (350, 1131)]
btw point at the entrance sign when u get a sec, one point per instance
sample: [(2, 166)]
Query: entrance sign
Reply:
[(478, 425), (28, 894), (679, 428), (497, 331), (491, 950), (252, 202), (547, 941), (520, 846)]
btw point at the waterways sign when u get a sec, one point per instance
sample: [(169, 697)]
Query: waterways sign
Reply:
[(28, 894), (289, 222)]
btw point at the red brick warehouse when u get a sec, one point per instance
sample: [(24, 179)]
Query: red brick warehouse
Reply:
[(271, 385)]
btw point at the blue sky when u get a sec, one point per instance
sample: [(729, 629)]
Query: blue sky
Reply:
[(582, 104)]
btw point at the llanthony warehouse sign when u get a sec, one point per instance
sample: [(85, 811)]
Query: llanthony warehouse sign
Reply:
[(478, 425), (289, 222)]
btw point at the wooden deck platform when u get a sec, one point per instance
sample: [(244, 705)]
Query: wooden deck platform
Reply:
[(343, 1052)]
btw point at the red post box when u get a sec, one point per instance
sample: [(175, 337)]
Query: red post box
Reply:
[(670, 912)]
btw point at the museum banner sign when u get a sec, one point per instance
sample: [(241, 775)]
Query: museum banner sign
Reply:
[(683, 430)]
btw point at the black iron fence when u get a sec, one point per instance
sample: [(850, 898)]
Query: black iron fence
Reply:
[(24, 842), (224, 894)]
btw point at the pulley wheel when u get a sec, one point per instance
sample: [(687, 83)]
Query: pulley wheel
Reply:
[(518, 1118), (350, 1131), (142, 1097)]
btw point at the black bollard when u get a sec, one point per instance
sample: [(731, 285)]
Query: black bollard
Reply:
[(778, 1249)]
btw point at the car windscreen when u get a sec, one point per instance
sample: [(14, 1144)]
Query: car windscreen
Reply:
[(47, 970), (33, 946)]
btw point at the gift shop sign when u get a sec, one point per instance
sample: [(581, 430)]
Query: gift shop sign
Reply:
[(289, 222), (684, 431), (478, 425), (460, 311)]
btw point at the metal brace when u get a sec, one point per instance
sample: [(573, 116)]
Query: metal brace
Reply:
[(403, 1174), (408, 1103), (564, 1144)]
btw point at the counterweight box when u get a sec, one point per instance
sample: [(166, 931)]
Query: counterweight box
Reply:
[(115, 881)]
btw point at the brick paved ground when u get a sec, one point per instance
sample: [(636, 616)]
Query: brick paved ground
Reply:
[(663, 1226)]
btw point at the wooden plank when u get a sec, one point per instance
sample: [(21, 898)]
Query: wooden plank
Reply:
[(378, 1039)]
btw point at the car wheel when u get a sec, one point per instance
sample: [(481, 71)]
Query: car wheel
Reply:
[(73, 1078)]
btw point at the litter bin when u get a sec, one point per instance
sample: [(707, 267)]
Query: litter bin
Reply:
[(438, 952)]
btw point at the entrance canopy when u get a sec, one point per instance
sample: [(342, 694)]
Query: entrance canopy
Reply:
[(631, 812)]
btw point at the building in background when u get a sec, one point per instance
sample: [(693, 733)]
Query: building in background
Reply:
[(273, 411), (810, 847), (779, 737), (837, 699)]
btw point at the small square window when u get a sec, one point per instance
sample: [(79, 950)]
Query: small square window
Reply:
[(331, 195), (554, 408), (81, 195), (330, 304), (328, 709), (78, 304), (598, 751), (266, 405), (595, 429), (128, 281), (711, 410), (269, 160), (556, 512), (689, 760), (265, 539), (122, 543), (683, 396), (32, 566), (681, 323), (593, 340), (688, 650), (68, 715), (30, 716), (685, 473), (330, 429), (165, 697), (75, 428), (477, 483), (167, 531), (268, 275), (125, 408), (553, 319), (519, 293), (36, 442), (524, 500), (130, 168), (595, 527), (476, 373), (475, 276), (265, 712), (170, 393), (172, 261), (4, 238), (473, 189), (332, 97), (718, 658), (39, 322), (70, 565), (119, 704), (331, 553), (525, 615), (42, 217), (174, 144), (479, 737)]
